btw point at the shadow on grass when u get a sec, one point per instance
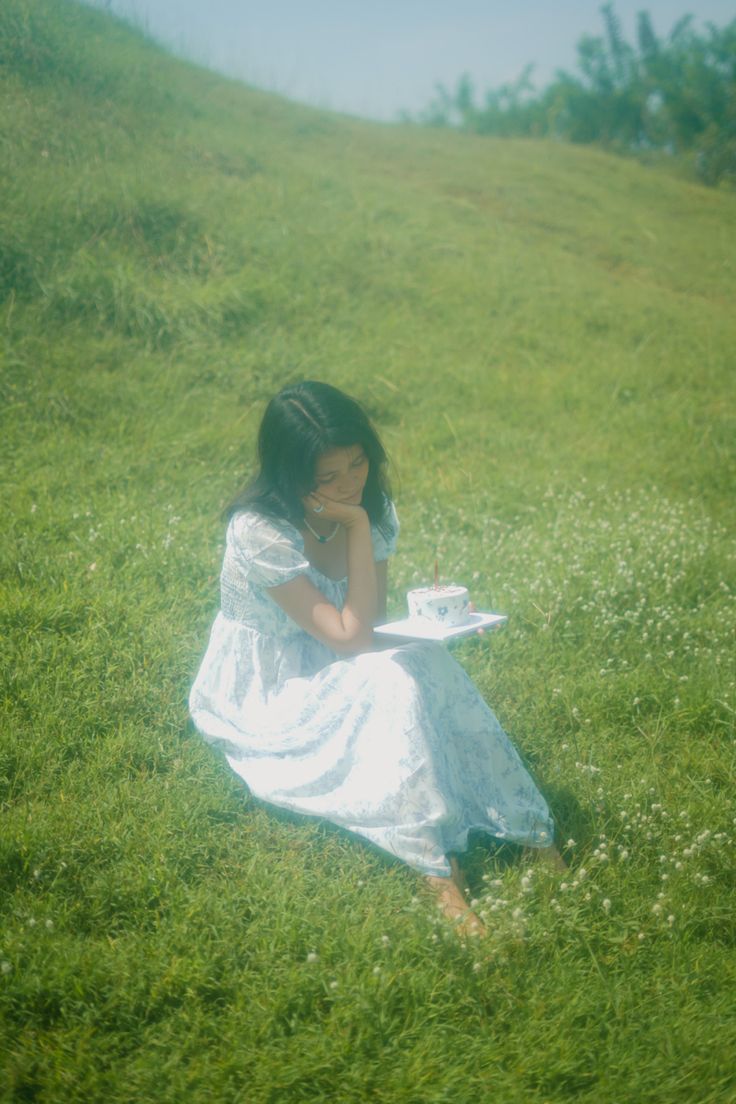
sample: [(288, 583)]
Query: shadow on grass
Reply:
[(484, 852)]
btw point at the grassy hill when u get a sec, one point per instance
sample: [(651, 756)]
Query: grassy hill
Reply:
[(545, 337)]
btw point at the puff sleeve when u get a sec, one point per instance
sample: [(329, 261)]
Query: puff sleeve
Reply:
[(262, 553), (385, 538)]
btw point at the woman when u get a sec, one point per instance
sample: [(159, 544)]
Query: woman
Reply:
[(394, 744)]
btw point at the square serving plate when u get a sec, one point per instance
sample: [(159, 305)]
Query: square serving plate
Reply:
[(417, 629)]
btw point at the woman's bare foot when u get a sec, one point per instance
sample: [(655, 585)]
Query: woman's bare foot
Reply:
[(452, 902), (550, 856)]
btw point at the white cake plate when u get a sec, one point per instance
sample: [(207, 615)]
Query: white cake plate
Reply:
[(416, 628)]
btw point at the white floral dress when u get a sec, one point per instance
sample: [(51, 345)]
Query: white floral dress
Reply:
[(396, 746)]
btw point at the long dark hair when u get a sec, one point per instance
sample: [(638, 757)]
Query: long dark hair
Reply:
[(301, 423)]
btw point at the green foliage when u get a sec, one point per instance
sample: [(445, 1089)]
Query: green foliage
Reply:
[(544, 334), (674, 97)]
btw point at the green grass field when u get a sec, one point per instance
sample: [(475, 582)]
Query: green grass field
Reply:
[(545, 337)]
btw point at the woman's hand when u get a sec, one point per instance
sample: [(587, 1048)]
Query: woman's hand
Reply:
[(330, 509), (471, 609)]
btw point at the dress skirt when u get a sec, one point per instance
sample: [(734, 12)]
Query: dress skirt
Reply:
[(396, 746)]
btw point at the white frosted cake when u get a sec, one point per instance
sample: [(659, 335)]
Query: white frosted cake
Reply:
[(443, 605)]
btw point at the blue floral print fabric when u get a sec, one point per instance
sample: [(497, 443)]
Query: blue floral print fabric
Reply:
[(395, 745)]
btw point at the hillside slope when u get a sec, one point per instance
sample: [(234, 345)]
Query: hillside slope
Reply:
[(155, 216)]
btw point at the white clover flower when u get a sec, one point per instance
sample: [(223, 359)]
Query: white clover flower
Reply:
[(312, 957), (334, 984), (385, 939), (377, 969), (606, 904), (571, 843)]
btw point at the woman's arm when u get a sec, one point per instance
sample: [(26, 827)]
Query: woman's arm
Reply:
[(349, 630)]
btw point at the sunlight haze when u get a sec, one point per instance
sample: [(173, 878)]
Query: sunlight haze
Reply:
[(381, 58)]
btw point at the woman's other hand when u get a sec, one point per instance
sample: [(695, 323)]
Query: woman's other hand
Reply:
[(471, 609)]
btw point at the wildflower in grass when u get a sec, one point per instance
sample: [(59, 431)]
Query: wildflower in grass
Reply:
[(5, 967), (606, 904), (312, 957)]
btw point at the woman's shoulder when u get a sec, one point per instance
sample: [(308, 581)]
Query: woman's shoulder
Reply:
[(248, 529), (389, 520), (385, 532), (264, 551)]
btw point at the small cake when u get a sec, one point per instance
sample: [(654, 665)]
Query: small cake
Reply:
[(443, 605)]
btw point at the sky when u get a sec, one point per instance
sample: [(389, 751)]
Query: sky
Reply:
[(377, 58)]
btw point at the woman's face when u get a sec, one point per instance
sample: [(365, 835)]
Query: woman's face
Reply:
[(341, 473)]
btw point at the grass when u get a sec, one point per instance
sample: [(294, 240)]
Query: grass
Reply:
[(545, 337)]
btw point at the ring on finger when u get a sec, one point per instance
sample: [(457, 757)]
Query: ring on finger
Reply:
[(318, 509)]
